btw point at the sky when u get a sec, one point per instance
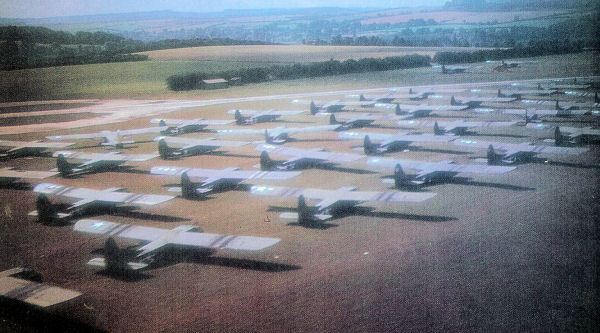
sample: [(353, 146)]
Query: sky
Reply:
[(52, 8)]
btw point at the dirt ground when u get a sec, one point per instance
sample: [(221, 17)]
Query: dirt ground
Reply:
[(514, 252)]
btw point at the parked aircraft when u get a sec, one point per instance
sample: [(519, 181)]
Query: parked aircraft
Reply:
[(574, 134), (8, 175), (181, 126), (301, 158), (473, 102), (332, 202), (391, 142), (423, 110), (532, 115), (453, 69), (531, 92), (249, 117), (156, 239), (23, 148), (87, 199), (561, 106), (430, 172), (110, 138), (279, 135), (391, 96), (94, 161), (356, 120), (511, 153), (334, 106), (458, 127), (215, 180), (191, 146), (24, 285)]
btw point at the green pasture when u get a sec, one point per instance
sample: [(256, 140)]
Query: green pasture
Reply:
[(127, 79)]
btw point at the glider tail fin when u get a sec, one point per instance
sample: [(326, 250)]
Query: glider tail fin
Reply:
[(333, 121), (437, 130), (492, 157), (368, 146), (64, 168), (397, 110), (238, 117), (46, 211), (268, 138), (305, 215), (188, 188), (559, 139), (163, 149), (400, 178), (313, 108), (266, 163)]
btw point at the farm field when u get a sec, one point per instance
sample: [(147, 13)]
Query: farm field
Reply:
[(291, 53), (132, 79), (147, 79), (453, 17)]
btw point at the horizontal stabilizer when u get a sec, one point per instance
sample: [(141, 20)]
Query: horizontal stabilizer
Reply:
[(391, 181), (100, 262), (34, 213), (294, 216)]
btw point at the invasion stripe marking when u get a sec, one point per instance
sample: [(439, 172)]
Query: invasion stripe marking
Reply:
[(62, 191), (126, 226), (182, 171), (133, 198), (25, 291), (113, 228), (216, 241), (226, 241)]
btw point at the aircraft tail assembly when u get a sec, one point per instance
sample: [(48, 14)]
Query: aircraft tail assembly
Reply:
[(333, 121), (239, 119), (64, 168), (492, 157), (313, 108), (559, 138), (46, 212), (188, 188), (437, 130), (164, 151), (397, 110), (369, 147), (115, 260), (400, 178), (266, 163)]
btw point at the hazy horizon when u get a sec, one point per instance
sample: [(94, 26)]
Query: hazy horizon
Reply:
[(44, 9)]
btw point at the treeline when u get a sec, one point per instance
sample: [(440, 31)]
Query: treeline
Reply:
[(41, 35), (191, 81), (31, 47), (535, 49), (140, 46)]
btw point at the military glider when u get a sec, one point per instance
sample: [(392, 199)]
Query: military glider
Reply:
[(332, 202), (189, 236)]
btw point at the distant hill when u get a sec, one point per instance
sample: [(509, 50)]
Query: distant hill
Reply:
[(171, 15)]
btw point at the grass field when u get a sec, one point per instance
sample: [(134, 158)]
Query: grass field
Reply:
[(147, 79), (102, 80), (445, 17), (290, 53)]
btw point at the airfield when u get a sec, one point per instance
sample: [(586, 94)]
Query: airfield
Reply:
[(508, 252)]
